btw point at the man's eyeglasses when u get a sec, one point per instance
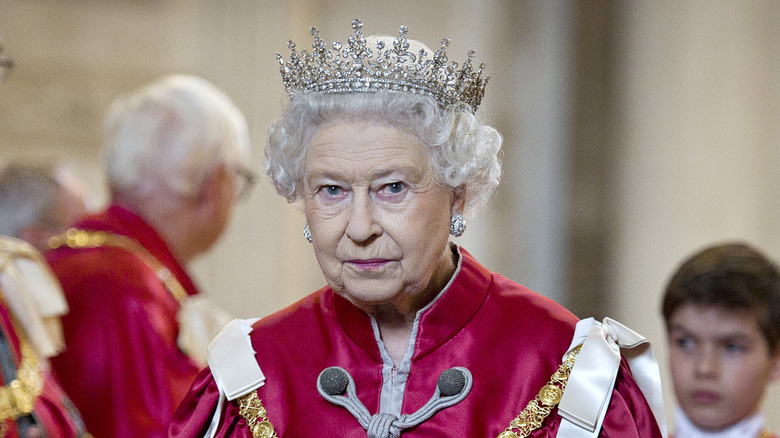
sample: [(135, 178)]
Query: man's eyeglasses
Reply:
[(246, 180)]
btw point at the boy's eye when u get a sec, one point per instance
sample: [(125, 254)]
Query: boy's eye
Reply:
[(734, 347), (683, 342)]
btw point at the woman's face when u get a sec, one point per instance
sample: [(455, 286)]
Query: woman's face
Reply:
[(378, 218)]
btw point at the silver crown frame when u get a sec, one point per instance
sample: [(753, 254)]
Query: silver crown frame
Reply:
[(357, 68)]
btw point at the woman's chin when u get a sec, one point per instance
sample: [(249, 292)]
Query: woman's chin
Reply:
[(374, 302)]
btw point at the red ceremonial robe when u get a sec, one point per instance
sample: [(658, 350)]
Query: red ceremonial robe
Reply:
[(122, 367), (510, 338), (52, 410)]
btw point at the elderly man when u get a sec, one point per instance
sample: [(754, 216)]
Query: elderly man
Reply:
[(39, 201), (176, 158), (32, 404)]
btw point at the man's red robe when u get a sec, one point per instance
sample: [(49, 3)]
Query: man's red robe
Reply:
[(122, 367)]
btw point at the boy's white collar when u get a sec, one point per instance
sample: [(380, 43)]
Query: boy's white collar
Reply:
[(747, 428)]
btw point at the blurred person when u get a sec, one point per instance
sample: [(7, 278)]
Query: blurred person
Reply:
[(39, 201), (176, 157), (32, 402), (722, 314), (411, 336)]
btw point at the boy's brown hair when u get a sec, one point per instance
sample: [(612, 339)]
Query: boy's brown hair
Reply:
[(732, 276)]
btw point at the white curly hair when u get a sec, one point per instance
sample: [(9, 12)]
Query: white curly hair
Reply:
[(463, 152)]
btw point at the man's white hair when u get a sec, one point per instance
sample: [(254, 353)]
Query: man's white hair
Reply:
[(170, 135)]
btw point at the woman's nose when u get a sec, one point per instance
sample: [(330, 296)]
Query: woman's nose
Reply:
[(362, 225)]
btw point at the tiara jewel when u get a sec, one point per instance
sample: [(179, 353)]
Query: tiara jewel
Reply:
[(369, 67)]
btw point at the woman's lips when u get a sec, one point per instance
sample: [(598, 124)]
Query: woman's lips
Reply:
[(369, 264)]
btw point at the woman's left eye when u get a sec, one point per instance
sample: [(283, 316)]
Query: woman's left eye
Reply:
[(396, 187)]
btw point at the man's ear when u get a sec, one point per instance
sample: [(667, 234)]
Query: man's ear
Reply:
[(213, 188)]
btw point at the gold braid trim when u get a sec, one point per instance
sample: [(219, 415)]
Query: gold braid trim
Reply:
[(256, 416), (74, 238), (17, 398), (534, 414)]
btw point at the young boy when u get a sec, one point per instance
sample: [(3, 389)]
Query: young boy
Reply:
[(722, 314)]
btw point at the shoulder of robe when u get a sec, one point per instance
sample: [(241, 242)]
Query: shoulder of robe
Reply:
[(232, 362)]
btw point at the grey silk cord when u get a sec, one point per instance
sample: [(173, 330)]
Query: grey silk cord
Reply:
[(452, 387)]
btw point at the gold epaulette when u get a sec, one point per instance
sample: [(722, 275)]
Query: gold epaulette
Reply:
[(256, 416), (75, 238), (534, 414)]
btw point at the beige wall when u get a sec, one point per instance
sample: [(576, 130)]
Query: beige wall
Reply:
[(700, 145), (694, 131)]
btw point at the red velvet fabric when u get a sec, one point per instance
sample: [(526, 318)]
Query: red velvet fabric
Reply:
[(511, 339), (122, 367), (52, 410)]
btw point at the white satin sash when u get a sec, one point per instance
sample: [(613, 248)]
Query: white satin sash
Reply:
[(589, 387), (233, 365)]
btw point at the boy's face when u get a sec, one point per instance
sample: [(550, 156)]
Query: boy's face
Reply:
[(720, 364)]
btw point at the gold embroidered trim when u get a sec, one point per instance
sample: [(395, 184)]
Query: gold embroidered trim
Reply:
[(17, 398), (534, 414), (256, 416), (74, 238)]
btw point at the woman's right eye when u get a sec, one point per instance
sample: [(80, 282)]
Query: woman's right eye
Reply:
[(332, 190)]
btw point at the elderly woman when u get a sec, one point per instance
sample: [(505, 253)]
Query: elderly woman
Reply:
[(411, 336)]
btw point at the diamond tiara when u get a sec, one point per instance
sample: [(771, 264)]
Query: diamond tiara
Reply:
[(359, 68)]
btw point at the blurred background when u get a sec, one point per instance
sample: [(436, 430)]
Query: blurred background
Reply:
[(635, 132)]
